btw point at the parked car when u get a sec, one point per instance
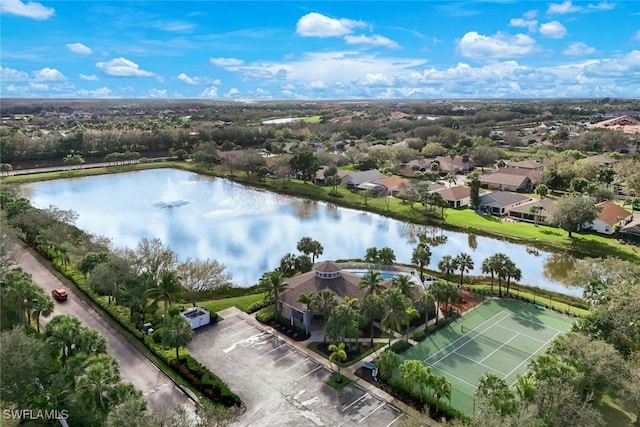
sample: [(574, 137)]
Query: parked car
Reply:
[(147, 328), (59, 294)]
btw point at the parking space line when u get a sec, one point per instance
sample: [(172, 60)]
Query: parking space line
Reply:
[(239, 332), (308, 373), (299, 363), (229, 327), (273, 349), (355, 401), (276, 361), (371, 413), (397, 418)]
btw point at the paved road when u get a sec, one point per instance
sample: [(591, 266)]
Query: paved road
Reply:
[(161, 393)]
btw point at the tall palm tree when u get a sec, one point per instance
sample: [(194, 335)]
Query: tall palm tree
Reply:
[(427, 303), (272, 283), (421, 256), (447, 266), (464, 263), (100, 375), (308, 246), (337, 352), (324, 301), (398, 310), (488, 268), (371, 283), (441, 389), (62, 333), (405, 284), (371, 309), (166, 289), (440, 293), (42, 306), (18, 287), (512, 272), (177, 333), (500, 264)]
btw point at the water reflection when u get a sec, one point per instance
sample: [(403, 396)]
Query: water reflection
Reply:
[(250, 230), (557, 266)]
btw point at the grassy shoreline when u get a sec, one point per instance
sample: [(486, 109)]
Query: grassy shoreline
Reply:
[(460, 220)]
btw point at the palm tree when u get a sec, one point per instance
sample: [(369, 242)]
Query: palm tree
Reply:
[(512, 272), (399, 310), (500, 261), (337, 352), (427, 302), (100, 376), (405, 284), (308, 246), (177, 333), (542, 190), (166, 289), (371, 309), (273, 285), (447, 266), (497, 393), (535, 211), (42, 306), (411, 372), (440, 292), (62, 333), (488, 268), (441, 388), (307, 300), (324, 301), (525, 388), (18, 287), (371, 283), (421, 256), (464, 263), (451, 179)]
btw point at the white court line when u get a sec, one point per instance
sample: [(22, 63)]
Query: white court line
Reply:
[(464, 336), (273, 349), (455, 350), (239, 332), (397, 418), (371, 413), (355, 401), (497, 349), (532, 354), (277, 360), (539, 324), (308, 373), (524, 335), (299, 363), (475, 361), (451, 375)]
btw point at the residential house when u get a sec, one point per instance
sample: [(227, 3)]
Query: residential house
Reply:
[(523, 211), (609, 216), (631, 231), (457, 197), (527, 164), (353, 179), (602, 161), (455, 165), (500, 202), (509, 179), (392, 184)]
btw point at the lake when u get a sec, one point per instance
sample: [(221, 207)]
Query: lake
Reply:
[(250, 230)]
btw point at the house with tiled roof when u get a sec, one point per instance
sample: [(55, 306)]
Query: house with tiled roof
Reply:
[(500, 202), (393, 184), (630, 232), (353, 179), (508, 181), (602, 161), (523, 211), (608, 217), (526, 164), (457, 197), (455, 165)]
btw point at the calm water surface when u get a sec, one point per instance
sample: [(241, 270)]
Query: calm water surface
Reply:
[(250, 230)]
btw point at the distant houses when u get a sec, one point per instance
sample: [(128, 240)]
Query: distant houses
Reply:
[(608, 217), (500, 202)]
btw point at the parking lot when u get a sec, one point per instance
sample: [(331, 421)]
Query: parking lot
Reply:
[(280, 385)]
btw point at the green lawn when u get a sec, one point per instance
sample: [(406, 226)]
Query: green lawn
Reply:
[(312, 119), (242, 303)]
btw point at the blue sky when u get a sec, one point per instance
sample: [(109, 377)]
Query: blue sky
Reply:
[(319, 50)]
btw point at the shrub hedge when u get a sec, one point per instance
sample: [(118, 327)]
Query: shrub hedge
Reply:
[(400, 346)]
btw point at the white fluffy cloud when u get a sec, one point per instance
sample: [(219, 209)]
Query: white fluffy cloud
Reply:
[(103, 92), (530, 24), (31, 10), (232, 93), (317, 25), (122, 67), (226, 62), (210, 92), (11, 75), (79, 48), (88, 77), (501, 45), (48, 75), (372, 40), (553, 30), (578, 49), (197, 80), (158, 93), (562, 8)]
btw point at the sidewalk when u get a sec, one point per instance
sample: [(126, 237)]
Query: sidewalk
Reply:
[(348, 372)]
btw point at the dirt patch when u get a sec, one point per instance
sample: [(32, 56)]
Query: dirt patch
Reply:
[(467, 301)]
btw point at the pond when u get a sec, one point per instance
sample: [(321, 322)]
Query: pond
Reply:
[(249, 230)]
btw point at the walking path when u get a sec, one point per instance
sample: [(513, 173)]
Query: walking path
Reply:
[(349, 372)]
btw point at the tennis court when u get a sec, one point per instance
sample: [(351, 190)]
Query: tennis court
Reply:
[(498, 336)]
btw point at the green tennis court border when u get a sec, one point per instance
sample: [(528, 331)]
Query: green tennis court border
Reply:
[(449, 351)]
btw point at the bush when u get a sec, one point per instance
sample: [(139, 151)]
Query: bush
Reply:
[(258, 305), (419, 336), (266, 315), (156, 336), (400, 346), (205, 381)]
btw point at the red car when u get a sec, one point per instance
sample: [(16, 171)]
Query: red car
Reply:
[(59, 294)]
